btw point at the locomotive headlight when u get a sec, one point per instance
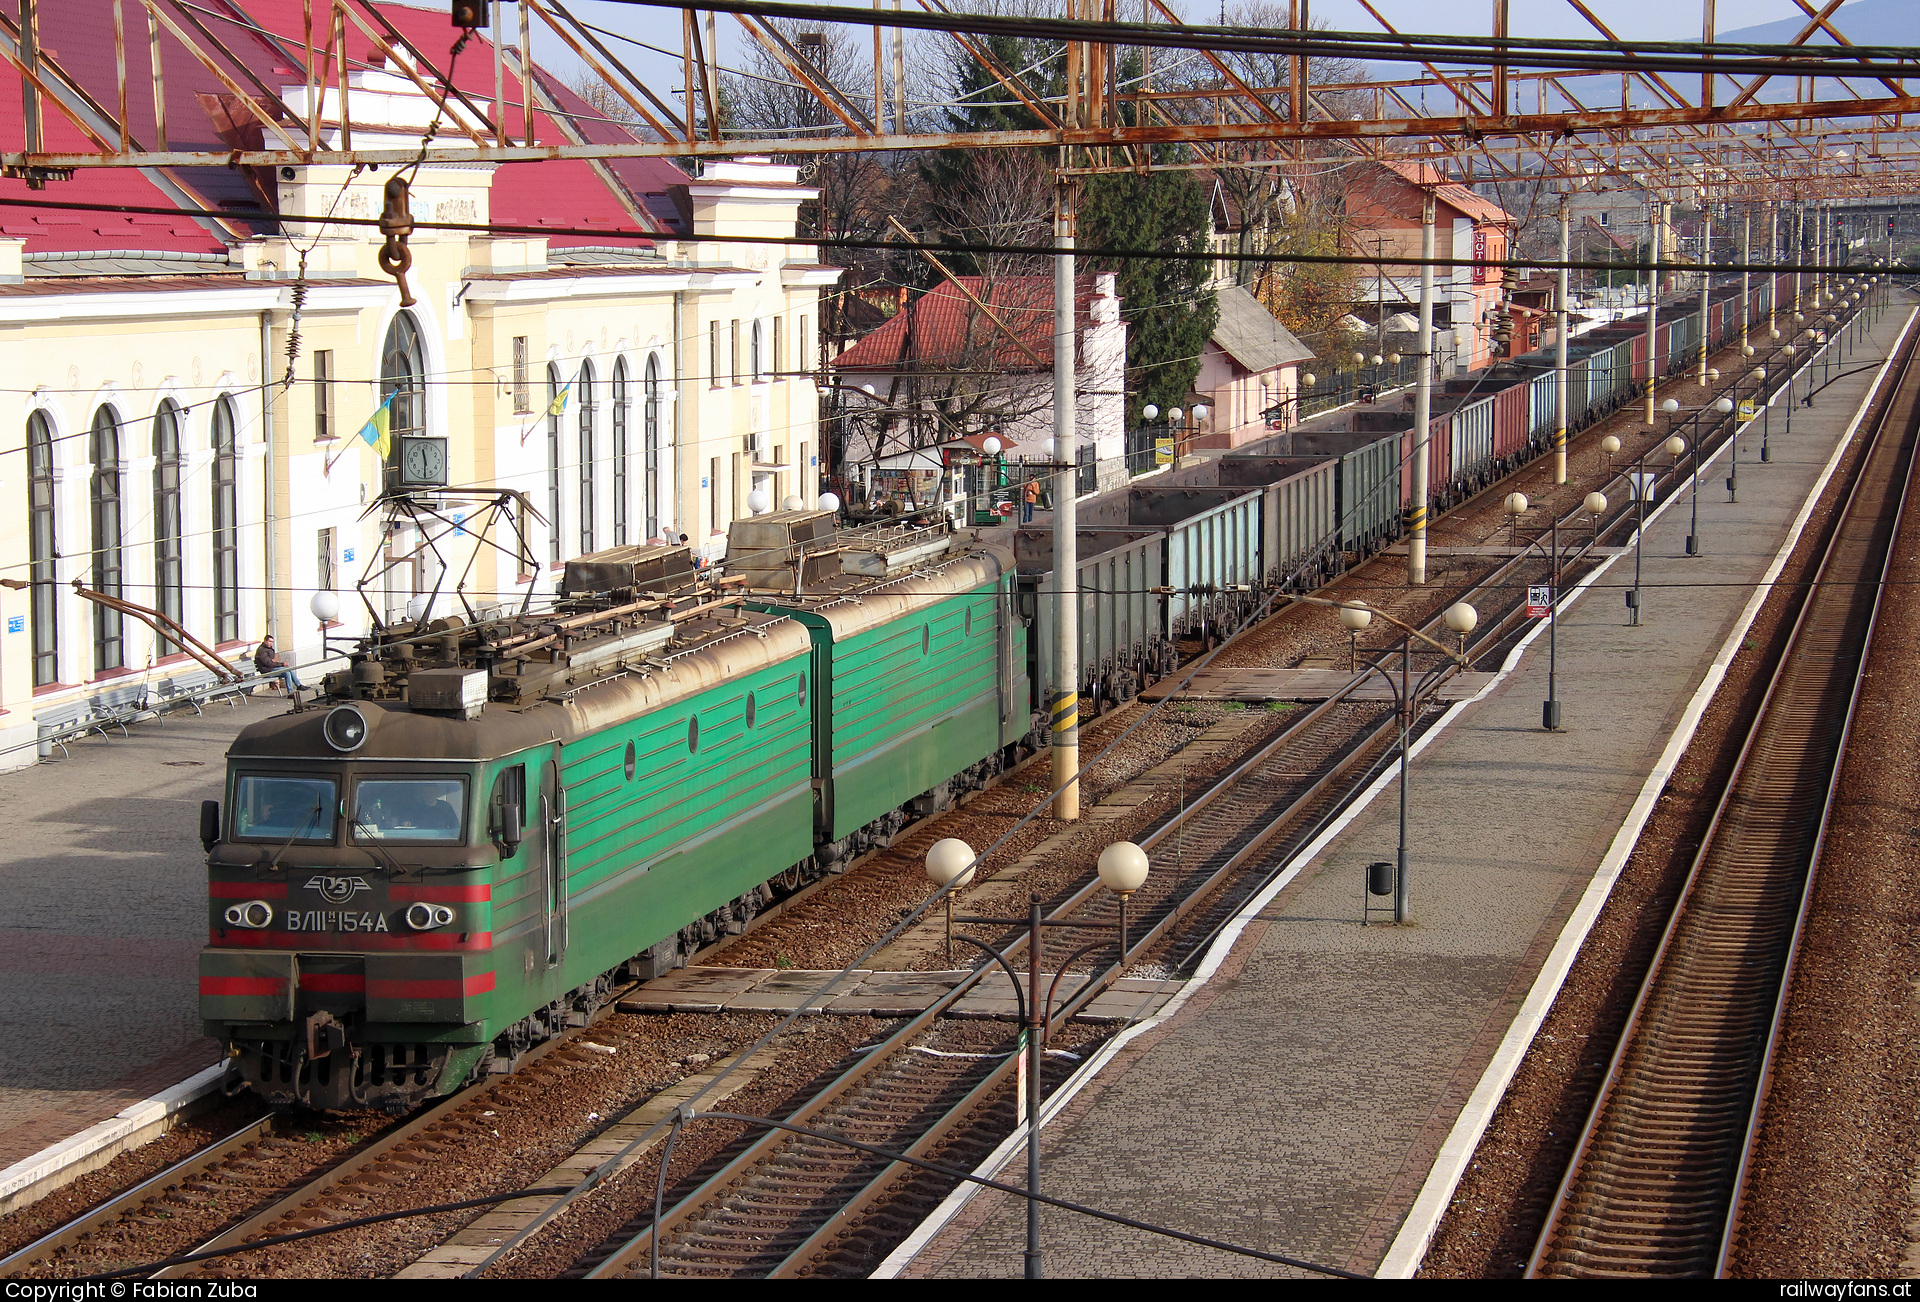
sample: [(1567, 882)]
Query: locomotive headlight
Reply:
[(345, 728), (254, 914), (425, 917)]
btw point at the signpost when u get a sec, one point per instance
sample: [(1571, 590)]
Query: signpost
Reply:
[(1539, 601)]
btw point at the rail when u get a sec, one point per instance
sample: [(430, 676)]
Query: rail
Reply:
[(1658, 1166)]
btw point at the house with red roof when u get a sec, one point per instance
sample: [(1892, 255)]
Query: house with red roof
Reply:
[(192, 382), (1384, 203), (972, 358)]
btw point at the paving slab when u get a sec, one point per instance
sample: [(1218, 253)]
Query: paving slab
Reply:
[(1296, 1102), (103, 911)]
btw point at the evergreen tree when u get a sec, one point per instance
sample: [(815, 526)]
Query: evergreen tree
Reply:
[(1167, 303)]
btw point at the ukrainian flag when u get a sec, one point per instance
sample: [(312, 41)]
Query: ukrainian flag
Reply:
[(378, 431), (558, 407)]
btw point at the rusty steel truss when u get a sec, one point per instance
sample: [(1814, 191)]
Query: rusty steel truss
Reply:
[(1741, 122)]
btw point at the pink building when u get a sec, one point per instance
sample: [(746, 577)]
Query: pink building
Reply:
[(1250, 366)]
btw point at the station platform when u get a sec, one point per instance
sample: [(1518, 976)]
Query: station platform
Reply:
[(104, 887), (1317, 1088)]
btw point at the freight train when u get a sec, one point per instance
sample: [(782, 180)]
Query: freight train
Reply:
[(483, 826)]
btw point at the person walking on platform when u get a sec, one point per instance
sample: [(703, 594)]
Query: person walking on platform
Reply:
[(1030, 499)]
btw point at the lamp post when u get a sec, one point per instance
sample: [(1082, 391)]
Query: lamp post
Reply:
[(1460, 618), (1766, 407), (950, 860), (1123, 870), (1356, 619)]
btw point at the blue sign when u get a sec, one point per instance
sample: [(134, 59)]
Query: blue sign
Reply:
[(459, 527), (16, 623), (347, 555)]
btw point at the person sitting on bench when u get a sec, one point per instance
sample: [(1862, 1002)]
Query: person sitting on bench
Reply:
[(268, 664)]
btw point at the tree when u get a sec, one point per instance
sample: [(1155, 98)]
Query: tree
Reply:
[(1167, 303)]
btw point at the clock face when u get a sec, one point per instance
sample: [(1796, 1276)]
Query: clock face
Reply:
[(423, 461)]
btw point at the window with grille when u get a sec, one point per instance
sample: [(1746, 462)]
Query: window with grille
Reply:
[(326, 578), (621, 400), (109, 647), (43, 548), (553, 463), (168, 586), (583, 397), (651, 437), (322, 394), (226, 525), (522, 390)]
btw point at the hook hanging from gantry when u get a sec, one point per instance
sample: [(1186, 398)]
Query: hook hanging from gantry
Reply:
[(396, 223)]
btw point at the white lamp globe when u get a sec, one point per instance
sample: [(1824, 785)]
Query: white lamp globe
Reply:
[(325, 607), (1355, 617), (1746, 350), (1393, 358), (1173, 414), (793, 502), (829, 501), (1359, 359), (1377, 359), (1773, 334), (417, 608), (1461, 617), (1123, 868), (1670, 405), (1516, 504), (1149, 412), (758, 502), (950, 861), (1200, 411), (1309, 379), (1723, 405), (1713, 373), (1788, 350), (1675, 446), (990, 445), (1759, 372), (1596, 503)]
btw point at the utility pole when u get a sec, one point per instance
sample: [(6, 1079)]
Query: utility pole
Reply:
[(1706, 280), (1065, 706), (1560, 355), (1422, 401), (1746, 282), (1653, 307)]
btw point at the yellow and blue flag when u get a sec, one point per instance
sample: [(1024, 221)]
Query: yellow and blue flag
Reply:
[(558, 407), (378, 431)]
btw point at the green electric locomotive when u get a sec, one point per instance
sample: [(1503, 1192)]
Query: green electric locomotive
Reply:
[(484, 825)]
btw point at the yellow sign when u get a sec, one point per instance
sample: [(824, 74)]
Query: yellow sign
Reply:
[(1747, 410), (1163, 452)]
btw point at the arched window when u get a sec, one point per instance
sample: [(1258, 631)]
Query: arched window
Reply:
[(757, 355), (403, 372), (650, 435), (43, 549), (554, 408), (168, 587), (620, 490), (109, 649), (583, 394), (226, 525)]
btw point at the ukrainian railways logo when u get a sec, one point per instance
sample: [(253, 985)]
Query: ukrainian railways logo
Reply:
[(338, 890)]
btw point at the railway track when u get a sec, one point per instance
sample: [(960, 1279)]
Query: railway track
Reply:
[(787, 1205), (239, 1170), (1654, 1185), (1271, 801)]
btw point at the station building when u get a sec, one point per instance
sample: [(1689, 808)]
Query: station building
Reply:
[(188, 392)]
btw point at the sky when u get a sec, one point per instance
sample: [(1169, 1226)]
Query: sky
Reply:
[(1656, 20)]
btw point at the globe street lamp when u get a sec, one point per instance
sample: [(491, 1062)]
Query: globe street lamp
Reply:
[(950, 863), (1356, 619)]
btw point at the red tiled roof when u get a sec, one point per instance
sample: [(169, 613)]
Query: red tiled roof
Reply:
[(74, 34), (943, 330), (1451, 193)]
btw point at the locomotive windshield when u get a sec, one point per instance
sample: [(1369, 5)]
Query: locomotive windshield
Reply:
[(283, 808), (411, 810)]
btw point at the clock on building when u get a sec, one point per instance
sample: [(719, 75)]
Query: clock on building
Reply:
[(423, 462)]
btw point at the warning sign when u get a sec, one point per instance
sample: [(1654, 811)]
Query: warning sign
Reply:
[(1539, 600)]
